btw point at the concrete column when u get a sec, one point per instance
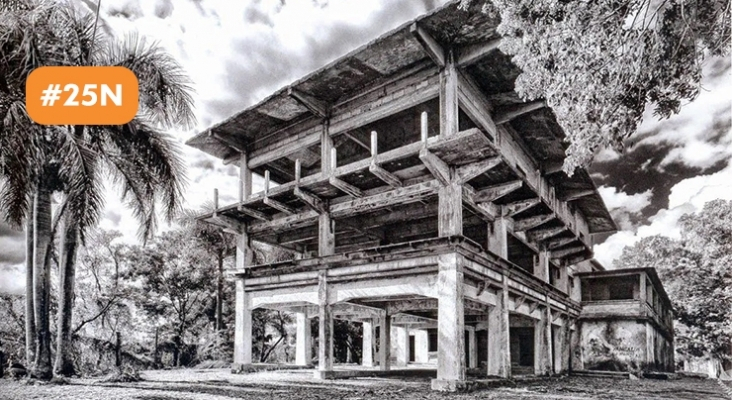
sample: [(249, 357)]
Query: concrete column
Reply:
[(421, 346), (401, 339), (643, 294), (561, 347), (576, 294), (367, 352), (472, 348), (325, 329), (498, 237), (385, 342), (303, 349), (245, 178), (541, 268), (243, 326), (450, 324), (563, 282), (499, 352), (575, 338), (243, 315), (326, 235), (542, 344)]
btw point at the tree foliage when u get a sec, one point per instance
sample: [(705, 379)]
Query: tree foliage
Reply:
[(696, 271), (599, 63)]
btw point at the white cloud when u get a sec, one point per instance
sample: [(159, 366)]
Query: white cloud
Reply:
[(618, 200), (695, 131), (12, 278), (687, 196)]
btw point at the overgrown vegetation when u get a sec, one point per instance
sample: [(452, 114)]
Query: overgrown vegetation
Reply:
[(599, 64), (696, 270)]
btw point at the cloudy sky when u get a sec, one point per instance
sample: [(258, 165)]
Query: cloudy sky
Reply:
[(238, 52)]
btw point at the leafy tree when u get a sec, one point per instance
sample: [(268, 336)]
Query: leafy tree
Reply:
[(12, 326), (697, 275), (38, 160), (217, 243), (174, 274), (598, 63)]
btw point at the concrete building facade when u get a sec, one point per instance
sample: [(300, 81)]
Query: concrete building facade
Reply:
[(422, 197)]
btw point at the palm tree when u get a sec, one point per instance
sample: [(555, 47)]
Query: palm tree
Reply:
[(138, 156)]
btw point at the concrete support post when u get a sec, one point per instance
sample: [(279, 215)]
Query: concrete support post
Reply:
[(541, 268), (450, 324), (449, 97), (576, 359), (563, 282), (498, 237), (499, 352), (243, 326), (561, 347), (576, 294), (326, 235), (303, 348), (243, 313), (401, 339), (543, 344), (385, 342), (367, 352), (325, 329), (421, 346), (245, 178), (450, 218), (472, 348), (642, 291)]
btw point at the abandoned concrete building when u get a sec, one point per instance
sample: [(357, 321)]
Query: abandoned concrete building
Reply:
[(423, 198)]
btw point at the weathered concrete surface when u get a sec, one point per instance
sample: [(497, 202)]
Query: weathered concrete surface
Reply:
[(623, 345)]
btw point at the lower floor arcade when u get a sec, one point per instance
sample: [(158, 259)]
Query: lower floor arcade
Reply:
[(445, 304)]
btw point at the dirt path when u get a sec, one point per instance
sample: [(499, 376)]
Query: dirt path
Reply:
[(299, 385)]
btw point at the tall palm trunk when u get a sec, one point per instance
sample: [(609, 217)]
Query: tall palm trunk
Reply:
[(42, 282), (64, 365), (30, 320)]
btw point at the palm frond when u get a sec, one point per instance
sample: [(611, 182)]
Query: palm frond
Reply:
[(19, 157), (81, 180), (165, 90), (156, 158)]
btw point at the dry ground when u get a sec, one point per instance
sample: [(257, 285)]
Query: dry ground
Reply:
[(299, 385)]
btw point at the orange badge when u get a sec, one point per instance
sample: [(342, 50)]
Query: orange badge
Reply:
[(82, 95)]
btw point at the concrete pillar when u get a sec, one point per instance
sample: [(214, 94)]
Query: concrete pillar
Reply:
[(325, 329), (499, 351), (421, 346), (541, 268), (498, 237), (243, 326), (450, 324), (542, 344), (243, 314), (575, 339), (576, 294), (303, 349), (385, 342), (401, 339), (643, 294), (563, 282), (367, 352), (560, 336), (472, 348)]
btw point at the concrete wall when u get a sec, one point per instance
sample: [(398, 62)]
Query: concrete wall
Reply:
[(621, 345)]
